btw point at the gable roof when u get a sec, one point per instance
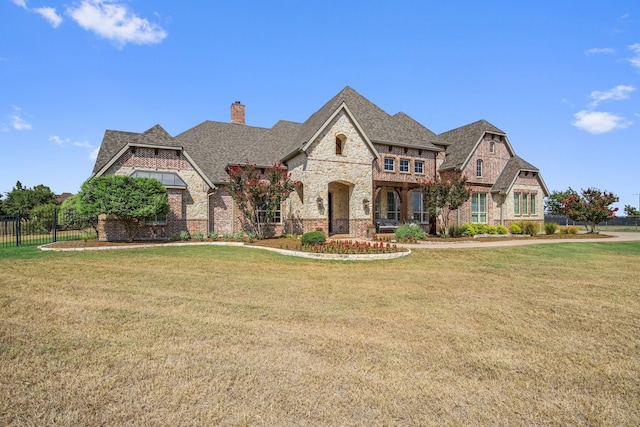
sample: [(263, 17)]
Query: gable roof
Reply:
[(463, 142), (378, 126), (510, 173), (115, 141)]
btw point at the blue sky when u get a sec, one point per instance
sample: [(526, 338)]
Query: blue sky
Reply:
[(560, 78)]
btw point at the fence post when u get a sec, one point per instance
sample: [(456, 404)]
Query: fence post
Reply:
[(55, 224), (17, 227)]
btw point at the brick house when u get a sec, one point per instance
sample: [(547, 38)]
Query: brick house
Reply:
[(356, 164)]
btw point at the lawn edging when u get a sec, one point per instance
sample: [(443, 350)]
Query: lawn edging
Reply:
[(287, 252)]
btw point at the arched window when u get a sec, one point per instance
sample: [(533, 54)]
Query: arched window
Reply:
[(479, 167), (340, 140)]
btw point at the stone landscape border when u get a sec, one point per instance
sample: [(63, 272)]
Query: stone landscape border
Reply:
[(287, 252)]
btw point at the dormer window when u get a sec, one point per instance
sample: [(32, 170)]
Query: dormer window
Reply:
[(340, 140)]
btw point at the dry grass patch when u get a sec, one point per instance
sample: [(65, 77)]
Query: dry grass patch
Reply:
[(231, 336)]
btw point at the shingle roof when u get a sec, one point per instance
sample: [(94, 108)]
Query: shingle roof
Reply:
[(376, 124), (114, 141), (214, 145), (463, 141), (514, 166)]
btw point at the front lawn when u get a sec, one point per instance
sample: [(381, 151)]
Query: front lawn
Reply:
[(210, 335)]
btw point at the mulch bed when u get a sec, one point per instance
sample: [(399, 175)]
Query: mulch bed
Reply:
[(291, 244)]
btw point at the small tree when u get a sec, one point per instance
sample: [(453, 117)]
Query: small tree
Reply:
[(259, 196), (630, 211), (21, 200), (72, 218), (129, 200), (592, 207), (444, 195)]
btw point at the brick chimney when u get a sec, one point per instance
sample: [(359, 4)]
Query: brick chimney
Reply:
[(237, 113)]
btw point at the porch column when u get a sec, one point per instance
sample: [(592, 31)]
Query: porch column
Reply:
[(404, 193)]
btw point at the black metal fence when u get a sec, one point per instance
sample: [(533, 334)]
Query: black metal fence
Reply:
[(615, 222), (49, 227)]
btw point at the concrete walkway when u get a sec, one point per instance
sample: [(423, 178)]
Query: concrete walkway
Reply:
[(617, 236)]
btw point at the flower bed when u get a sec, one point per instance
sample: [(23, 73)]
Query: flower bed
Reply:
[(351, 247)]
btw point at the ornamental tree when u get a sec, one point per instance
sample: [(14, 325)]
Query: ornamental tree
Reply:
[(129, 200), (444, 195), (259, 195), (592, 207), (553, 203), (630, 211)]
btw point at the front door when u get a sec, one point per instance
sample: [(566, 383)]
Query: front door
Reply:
[(330, 212)]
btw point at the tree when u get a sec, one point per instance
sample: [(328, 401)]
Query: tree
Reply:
[(128, 200), (631, 211), (444, 195), (1, 211), (72, 218), (21, 200), (259, 196), (553, 203), (592, 207)]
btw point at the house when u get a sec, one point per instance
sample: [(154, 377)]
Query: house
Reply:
[(356, 165)]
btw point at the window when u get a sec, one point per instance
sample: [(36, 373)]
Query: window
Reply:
[(516, 203), (479, 208), (525, 199), (404, 165), (393, 212), (156, 220), (420, 212), (533, 204), (340, 139), (479, 167), (389, 164), (418, 167), (262, 216), (168, 179), (492, 147)]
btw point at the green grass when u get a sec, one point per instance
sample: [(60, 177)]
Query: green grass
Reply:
[(544, 334)]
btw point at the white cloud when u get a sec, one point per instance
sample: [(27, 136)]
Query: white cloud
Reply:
[(66, 142), (17, 121), (597, 122), (21, 3), (635, 61), (617, 93), (115, 22), (599, 50), (50, 14)]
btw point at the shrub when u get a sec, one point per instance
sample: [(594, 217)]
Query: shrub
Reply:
[(515, 229), (213, 235), (572, 229), (239, 235), (184, 235), (529, 228), (227, 236), (198, 235), (501, 229), (550, 227), (313, 238), (410, 231)]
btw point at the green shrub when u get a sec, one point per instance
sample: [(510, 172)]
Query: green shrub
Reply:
[(550, 227), (198, 235), (501, 229), (184, 235), (213, 235), (240, 235), (515, 229), (529, 228), (572, 229), (410, 231), (227, 236), (457, 230), (313, 238)]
